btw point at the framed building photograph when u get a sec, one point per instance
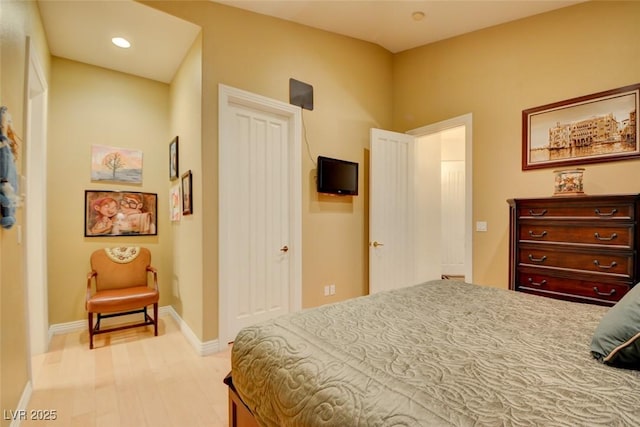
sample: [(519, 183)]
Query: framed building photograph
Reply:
[(594, 128), (120, 213), (173, 159), (187, 199)]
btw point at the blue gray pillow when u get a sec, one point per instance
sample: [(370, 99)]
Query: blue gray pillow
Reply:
[(616, 340)]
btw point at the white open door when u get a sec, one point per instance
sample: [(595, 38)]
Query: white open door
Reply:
[(427, 231), (404, 215)]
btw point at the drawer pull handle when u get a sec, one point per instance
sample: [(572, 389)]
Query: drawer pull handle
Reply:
[(604, 294), (606, 239), (612, 213), (605, 267), (532, 259), (531, 282), (544, 233), (542, 213)]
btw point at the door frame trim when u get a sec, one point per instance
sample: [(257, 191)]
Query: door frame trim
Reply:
[(35, 228), (229, 95), (465, 120)]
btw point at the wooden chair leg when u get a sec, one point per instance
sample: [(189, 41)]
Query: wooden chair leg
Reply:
[(90, 331), (95, 329), (155, 319)]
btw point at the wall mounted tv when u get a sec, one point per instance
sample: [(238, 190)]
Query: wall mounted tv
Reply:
[(337, 176)]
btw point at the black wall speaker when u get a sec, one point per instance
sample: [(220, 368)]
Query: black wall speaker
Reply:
[(300, 94)]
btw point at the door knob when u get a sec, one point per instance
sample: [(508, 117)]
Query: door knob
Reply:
[(375, 244), (285, 248)]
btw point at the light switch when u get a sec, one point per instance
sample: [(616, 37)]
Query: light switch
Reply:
[(481, 226)]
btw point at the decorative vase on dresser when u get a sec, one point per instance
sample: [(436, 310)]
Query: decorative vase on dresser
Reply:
[(580, 248)]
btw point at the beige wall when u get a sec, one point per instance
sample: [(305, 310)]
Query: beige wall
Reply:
[(352, 92), (90, 105), (498, 72), (186, 122), (18, 20), (494, 74)]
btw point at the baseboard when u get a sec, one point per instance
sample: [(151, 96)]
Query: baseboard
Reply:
[(20, 413), (202, 348)]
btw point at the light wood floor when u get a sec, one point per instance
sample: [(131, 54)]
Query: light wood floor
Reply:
[(131, 378)]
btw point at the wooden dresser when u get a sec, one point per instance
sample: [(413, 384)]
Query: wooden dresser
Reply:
[(578, 248)]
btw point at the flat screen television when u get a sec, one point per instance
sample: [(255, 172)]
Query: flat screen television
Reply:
[(337, 176)]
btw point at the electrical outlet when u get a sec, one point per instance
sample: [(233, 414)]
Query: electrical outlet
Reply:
[(326, 291), (332, 289)]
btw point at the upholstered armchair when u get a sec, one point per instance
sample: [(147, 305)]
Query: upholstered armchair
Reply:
[(122, 286)]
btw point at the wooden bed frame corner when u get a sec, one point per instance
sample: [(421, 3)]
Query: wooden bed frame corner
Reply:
[(239, 413)]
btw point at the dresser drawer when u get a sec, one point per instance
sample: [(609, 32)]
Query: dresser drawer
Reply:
[(619, 263), (577, 233), (578, 248), (570, 288), (606, 211)]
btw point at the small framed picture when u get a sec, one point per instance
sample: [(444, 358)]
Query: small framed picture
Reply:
[(174, 203), (173, 159), (187, 199)]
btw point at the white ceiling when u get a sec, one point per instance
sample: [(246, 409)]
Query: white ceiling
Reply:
[(82, 30)]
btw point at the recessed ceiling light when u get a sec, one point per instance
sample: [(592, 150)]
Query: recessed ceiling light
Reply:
[(121, 42), (417, 15)]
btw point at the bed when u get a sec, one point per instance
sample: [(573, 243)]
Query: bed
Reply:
[(436, 354)]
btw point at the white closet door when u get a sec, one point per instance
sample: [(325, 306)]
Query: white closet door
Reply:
[(259, 210), (260, 287)]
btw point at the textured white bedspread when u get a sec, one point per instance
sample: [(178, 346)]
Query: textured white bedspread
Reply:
[(439, 353)]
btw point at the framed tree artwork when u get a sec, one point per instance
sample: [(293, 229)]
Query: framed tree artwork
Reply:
[(115, 164)]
